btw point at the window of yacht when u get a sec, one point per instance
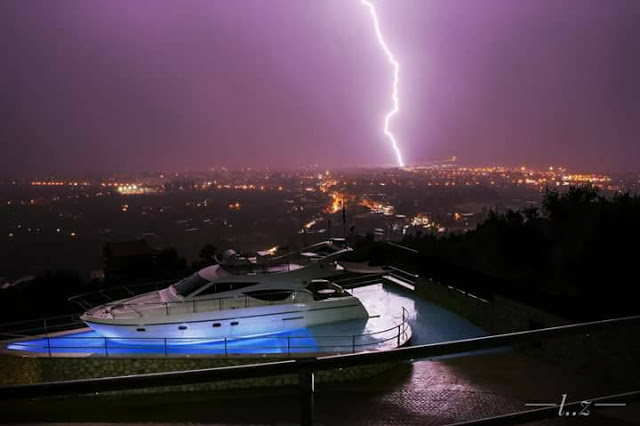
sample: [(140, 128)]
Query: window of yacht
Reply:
[(326, 250), (190, 284), (222, 287), (270, 295)]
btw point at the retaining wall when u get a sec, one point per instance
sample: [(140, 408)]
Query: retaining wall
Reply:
[(612, 356), (25, 370)]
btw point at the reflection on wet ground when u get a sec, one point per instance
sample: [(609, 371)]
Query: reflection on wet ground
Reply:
[(435, 392), (423, 393)]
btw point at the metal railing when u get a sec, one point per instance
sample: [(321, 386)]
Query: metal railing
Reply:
[(374, 278), (140, 310), (54, 345), (359, 281), (25, 328), (271, 267), (111, 296), (95, 298), (306, 368), (401, 274)]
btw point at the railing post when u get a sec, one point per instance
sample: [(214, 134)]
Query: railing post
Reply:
[(289, 345), (306, 384), (398, 335), (166, 305), (405, 321), (165, 346), (46, 333), (225, 347), (106, 347)]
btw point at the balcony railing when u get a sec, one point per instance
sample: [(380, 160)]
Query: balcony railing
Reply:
[(59, 344)]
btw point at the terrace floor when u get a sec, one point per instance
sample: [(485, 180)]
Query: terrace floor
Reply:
[(424, 393), (430, 392)]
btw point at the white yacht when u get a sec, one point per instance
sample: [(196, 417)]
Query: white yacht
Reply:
[(239, 297)]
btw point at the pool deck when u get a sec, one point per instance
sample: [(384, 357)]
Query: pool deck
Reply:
[(385, 329), (423, 393), (432, 392)]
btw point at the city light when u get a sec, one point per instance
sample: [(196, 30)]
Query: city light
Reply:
[(336, 203)]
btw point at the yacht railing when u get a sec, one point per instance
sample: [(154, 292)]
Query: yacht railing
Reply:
[(285, 262), (407, 276), (59, 344), (25, 328), (194, 306), (359, 280), (259, 268), (91, 299), (110, 297)]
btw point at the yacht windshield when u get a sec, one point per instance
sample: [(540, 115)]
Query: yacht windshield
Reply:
[(190, 284)]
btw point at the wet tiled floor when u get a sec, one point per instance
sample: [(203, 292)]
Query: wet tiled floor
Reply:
[(424, 393), (436, 392)]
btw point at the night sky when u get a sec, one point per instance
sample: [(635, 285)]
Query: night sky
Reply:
[(123, 86)]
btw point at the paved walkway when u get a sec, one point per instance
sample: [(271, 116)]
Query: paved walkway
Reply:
[(423, 393)]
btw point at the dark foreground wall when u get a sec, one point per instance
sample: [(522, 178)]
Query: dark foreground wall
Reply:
[(612, 356), (22, 370)]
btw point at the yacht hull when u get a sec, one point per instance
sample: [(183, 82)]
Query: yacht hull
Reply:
[(227, 324)]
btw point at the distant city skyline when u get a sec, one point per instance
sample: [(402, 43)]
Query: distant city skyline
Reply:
[(120, 87)]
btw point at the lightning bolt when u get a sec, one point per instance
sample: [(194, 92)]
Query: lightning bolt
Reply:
[(396, 80)]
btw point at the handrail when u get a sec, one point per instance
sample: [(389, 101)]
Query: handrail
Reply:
[(218, 303), (359, 278), (86, 305), (47, 329), (196, 302), (46, 325), (257, 268), (186, 302), (37, 320), (349, 345), (409, 249), (403, 272), (353, 341), (77, 299), (243, 299), (306, 366)]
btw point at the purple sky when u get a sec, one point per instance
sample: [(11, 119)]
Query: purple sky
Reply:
[(144, 85)]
